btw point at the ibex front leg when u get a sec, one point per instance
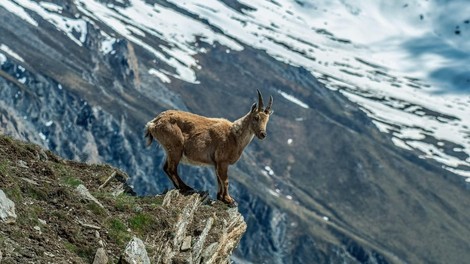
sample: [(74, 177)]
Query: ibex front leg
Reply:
[(222, 180)]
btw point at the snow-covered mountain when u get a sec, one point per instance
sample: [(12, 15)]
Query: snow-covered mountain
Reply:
[(345, 170), (405, 63)]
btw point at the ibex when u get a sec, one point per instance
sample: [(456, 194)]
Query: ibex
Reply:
[(200, 140)]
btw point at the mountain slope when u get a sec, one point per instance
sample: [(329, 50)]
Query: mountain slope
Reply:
[(68, 211), (325, 186)]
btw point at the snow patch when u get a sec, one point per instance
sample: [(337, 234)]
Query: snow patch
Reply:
[(51, 7), (293, 99), (140, 19), (71, 27), (10, 52), (107, 44), (16, 9), (273, 193), (160, 75), (3, 59), (400, 143), (269, 170)]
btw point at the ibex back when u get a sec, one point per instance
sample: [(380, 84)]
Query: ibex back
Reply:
[(200, 140)]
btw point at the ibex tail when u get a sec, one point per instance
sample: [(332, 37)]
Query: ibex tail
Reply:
[(148, 134)]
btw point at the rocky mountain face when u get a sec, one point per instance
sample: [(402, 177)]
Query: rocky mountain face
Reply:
[(60, 211), (326, 186)]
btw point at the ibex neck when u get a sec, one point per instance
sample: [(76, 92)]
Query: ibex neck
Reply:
[(242, 131)]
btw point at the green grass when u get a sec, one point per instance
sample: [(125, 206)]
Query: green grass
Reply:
[(30, 216), (61, 215), (65, 175), (70, 247), (141, 221), (71, 181), (118, 231), (4, 168), (124, 202), (80, 248), (96, 209), (14, 193), (34, 192)]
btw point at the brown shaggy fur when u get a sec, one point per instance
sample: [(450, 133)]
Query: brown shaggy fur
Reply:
[(200, 140)]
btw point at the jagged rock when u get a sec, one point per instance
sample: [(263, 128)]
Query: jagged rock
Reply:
[(100, 256), (22, 164), (169, 196), (43, 155), (7, 209), (199, 244), (83, 191), (227, 229), (232, 229), (185, 218), (186, 243), (135, 253), (209, 252), (29, 181)]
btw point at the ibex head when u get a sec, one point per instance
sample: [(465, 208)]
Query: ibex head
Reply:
[(259, 117)]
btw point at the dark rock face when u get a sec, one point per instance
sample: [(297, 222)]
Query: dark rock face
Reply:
[(339, 192)]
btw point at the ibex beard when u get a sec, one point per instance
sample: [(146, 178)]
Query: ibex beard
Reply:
[(199, 140)]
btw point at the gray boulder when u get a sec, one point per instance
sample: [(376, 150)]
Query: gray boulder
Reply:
[(135, 253), (7, 209)]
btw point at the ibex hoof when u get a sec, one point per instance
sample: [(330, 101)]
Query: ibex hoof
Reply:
[(232, 204), (188, 190)]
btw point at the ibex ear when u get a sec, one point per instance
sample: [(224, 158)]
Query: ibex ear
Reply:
[(253, 108)]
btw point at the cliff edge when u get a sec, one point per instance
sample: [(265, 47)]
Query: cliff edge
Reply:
[(60, 211)]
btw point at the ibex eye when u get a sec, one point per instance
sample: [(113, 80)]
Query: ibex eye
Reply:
[(256, 118)]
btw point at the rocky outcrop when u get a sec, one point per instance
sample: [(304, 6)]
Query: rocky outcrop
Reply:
[(198, 239), (71, 211), (7, 209), (135, 252), (100, 256), (85, 194)]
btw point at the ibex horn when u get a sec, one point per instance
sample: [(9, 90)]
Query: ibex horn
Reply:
[(268, 108), (260, 101)]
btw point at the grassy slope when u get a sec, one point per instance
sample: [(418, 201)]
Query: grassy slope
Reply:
[(55, 225)]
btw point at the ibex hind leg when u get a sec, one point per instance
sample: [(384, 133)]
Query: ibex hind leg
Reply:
[(169, 174), (171, 169)]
